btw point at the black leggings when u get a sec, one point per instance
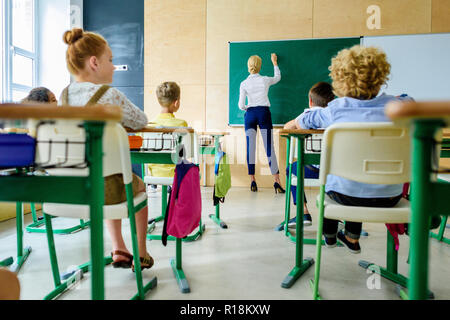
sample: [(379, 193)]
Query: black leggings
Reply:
[(353, 229)]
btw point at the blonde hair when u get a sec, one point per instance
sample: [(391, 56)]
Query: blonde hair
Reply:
[(82, 45), (254, 64), (359, 72), (167, 93)]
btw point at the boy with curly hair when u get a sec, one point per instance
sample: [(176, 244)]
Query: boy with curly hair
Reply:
[(358, 74)]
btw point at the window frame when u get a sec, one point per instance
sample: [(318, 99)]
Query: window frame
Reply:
[(10, 51)]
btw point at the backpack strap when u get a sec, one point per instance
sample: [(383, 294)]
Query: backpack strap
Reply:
[(98, 95)]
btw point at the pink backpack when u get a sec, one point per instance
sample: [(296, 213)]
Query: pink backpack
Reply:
[(185, 202)]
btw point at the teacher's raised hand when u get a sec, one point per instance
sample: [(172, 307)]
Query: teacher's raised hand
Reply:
[(274, 59)]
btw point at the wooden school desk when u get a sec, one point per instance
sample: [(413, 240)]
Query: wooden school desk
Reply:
[(212, 150), (429, 196), (88, 190)]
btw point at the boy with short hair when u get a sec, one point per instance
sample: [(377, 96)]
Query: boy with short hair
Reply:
[(168, 95), (319, 96)]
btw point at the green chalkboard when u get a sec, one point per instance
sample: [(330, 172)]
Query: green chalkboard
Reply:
[(302, 63)]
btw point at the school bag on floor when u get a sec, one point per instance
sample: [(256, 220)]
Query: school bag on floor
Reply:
[(222, 177), (184, 210)]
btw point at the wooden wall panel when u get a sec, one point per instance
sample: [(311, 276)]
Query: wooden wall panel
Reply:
[(251, 20), (175, 50), (440, 16), (346, 18)]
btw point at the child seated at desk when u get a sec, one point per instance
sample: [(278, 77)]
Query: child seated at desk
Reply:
[(319, 96), (40, 95), (358, 74), (168, 94)]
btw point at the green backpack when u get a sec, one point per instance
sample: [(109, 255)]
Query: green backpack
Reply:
[(222, 175)]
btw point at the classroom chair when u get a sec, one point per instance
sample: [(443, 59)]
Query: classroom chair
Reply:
[(69, 158), (372, 153)]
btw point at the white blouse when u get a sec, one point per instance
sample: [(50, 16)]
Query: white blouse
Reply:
[(80, 93), (256, 89)]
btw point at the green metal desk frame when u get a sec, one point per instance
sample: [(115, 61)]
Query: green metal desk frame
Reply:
[(141, 157), (445, 153), (427, 198), (301, 265), (206, 150), (77, 190), (428, 194)]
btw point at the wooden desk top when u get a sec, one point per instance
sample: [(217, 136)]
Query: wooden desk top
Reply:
[(162, 130), (301, 131), (418, 110), (43, 111)]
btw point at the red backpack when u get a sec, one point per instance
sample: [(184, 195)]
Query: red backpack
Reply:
[(184, 210)]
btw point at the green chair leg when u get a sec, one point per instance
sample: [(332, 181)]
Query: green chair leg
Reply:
[(440, 235), (315, 283), (7, 262), (132, 210), (69, 279), (216, 218), (152, 222), (35, 227), (176, 265), (22, 253)]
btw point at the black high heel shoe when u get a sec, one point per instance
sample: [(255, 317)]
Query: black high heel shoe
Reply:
[(254, 187), (278, 188)]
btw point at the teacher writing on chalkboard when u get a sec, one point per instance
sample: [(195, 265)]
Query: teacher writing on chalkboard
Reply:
[(257, 113)]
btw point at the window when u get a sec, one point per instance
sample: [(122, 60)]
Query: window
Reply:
[(19, 74)]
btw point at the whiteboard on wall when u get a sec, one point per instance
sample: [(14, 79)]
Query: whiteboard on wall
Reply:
[(420, 64)]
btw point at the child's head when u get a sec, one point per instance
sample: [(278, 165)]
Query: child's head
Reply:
[(254, 64), (359, 72), (320, 94), (168, 94), (40, 95), (88, 53)]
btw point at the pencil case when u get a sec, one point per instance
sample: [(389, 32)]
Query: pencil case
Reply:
[(16, 150)]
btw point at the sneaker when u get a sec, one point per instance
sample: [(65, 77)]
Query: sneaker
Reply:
[(353, 247), (153, 188), (169, 189), (307, 220), (330, 242), (292, 222)]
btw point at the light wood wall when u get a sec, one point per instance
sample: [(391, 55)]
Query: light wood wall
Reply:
[(187, 41)]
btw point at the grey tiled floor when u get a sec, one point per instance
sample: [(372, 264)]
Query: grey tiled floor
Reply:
[(249, 260)]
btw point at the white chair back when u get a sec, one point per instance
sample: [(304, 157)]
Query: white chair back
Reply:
[(171, 143), (370, 152), (67, 149)]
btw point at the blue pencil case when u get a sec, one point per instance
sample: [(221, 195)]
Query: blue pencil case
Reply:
[(16, 150)]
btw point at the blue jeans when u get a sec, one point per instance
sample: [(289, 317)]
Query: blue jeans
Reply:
[(254, 117)]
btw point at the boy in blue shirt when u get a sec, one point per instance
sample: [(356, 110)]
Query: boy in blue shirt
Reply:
[(319, 96), (358, 74)]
